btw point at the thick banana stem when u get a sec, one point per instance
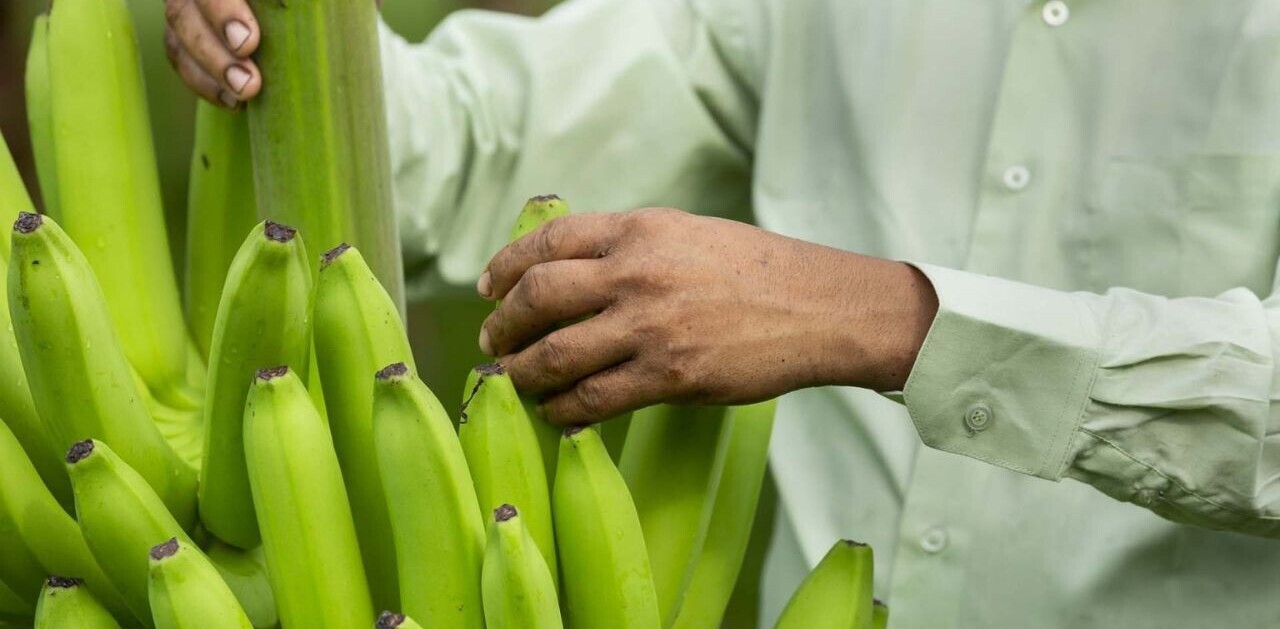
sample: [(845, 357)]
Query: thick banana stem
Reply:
[(81, 382), (319, 132), (221, 209), (108, 188)]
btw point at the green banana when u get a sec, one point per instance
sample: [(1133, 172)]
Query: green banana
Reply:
[(392, 620), (220, 209), (538, 211), (121, 518), (714, 570), (313, 559), (64, 603), (672, 462), (879, 615), (607, 580), (245, 572), (264, 319), (18, 409), (836, 595), (80, 380), (108, 188), (434, 512), (40, 538), (503, 453), (186, 591), (319, 115), (519, 592), (357, 332), (40, 113)]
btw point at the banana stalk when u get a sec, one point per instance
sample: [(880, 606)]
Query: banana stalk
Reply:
[(220, 209), (672, 462), (714, 570), (392, 620), (435, 516), (80, 380), (836, 595), (186, 591), (108, 189), (313, 558), (357, 332), (40, 113), (607, 580), (519, 592), (319, 120), (245, 572), (264, 319), (121, 518), (64, 602), (502, 449), (40, 538)]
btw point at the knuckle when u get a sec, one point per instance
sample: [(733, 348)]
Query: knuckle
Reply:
[(554, 355), (546, 241), (533, 287), (592, 398), (173, 10)]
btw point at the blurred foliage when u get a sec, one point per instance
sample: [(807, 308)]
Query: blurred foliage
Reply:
[(444, 330)]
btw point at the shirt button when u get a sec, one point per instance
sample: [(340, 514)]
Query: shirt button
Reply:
[(1145, 497), (978, 418), (1016, 177), (933, 541), (1055, 13)]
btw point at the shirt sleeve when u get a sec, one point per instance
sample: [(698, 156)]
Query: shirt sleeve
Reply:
[(1165, 403), (612, 104)]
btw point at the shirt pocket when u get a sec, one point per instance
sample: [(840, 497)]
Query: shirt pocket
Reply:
[(1181, 226)]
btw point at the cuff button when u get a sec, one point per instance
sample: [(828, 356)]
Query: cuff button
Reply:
[(978, 418)]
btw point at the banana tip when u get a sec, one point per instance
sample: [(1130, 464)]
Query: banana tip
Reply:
[(491, 369), (63, 582), (389, 620), (27, 222), (165, 549), (271, 373), (504, 513), (333, 254), (279, 233), (394, 370), (573, 430), (545, 198), (852, 544), (79, 450)]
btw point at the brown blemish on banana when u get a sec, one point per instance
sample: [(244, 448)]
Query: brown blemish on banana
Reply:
[(390, 620), (279, 233), (573, 430), (79, 450), (333, 254), (63, 582), (504, 513), (394, 370), (27, 222), (271, 373), (164, 550)]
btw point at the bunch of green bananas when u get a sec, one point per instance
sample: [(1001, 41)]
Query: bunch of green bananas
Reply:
[(174, 467)]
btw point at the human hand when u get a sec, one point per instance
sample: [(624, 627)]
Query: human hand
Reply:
[(693, 310), (209, 42)]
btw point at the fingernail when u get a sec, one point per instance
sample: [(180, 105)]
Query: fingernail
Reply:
[(485, 285), (227, 99), (237, 34), (237, 78), (486, 345)]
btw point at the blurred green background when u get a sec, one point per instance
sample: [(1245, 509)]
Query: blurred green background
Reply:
[(443, 330)]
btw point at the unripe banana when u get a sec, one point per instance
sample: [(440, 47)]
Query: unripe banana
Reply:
[(519, 592), (879, 615), (313, 559), (40, 113), (836, 595), (264, 319), (66, 603), (121, 519), (715, 570), (434, 512), (392, 620), (220, 209), (672, 462), (502, 449), (357, 332), (80, 381), (108, 188), (16, 406), (245, 572), (39, 537), (607, 580), (186, 591)]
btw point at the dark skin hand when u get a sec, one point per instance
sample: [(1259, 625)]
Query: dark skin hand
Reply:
[(693, 310)]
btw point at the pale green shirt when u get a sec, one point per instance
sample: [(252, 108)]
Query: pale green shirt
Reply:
[(1115, 162)]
